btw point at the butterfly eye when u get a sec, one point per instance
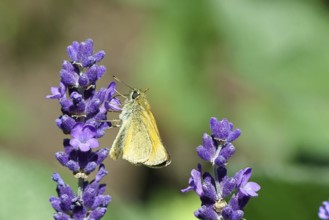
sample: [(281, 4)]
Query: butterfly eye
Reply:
[(135, 94)]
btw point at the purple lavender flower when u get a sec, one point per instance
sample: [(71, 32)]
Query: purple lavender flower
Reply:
[(57, 92), (83, 137), (84, 118), (92, 204), (217, 148), (222, 197), (324, 211)]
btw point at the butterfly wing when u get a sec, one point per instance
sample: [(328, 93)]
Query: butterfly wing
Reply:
[(138, 144), (131, 142), (159, 157)]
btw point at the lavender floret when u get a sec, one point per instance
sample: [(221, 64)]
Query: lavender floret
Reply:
[(324, 211)]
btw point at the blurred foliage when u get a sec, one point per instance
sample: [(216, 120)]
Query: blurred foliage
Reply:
[(25, 186), (278, 71), (11, 114), (29, 29)]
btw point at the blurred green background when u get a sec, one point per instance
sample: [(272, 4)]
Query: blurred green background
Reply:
[(264, 65)]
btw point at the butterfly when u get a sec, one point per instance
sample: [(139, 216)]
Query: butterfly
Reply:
[(138, 140)]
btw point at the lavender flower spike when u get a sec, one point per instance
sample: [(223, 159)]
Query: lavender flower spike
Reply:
[(222, 197), (84, 118)]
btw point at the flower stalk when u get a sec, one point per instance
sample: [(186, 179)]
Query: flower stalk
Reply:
[(222, 197), (84, 120)]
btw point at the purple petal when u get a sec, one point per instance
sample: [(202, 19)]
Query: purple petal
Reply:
[(65, 192), (101, 129), (55, 203), (76, 97), (227, 212), (187, 189), (101, 94), (93, 106), (101, 173), (206, 212), (62, 158), (72, 50), (83, 81), (220, 161), (89, 132), (80, 107), (227, 150), (58, 179), (219, 128), (66, 104), (228, 185), (203, 153), (88, 62), (98, 213), (85, 50), (77, 130), (111, 90), (66, 123), (62, 88), (73, 166), (69, 78), (88, 47), (324, 211), (243, 176), (67, 66), (101, 201), (237, 215), (84, 147), (101, 189), (209, 191), (90, 167), (55, 93), (102, 155), (61, 216), (232, 214), (91, 73), (113, 105), (225, 153), (76, 144), (89, 195), (99, 56), (196, 177), (100, 71), (207, 151), (250, 189), (233, 135), (195, 181), (65, 202)]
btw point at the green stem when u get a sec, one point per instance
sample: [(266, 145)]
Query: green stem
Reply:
[(80, 187)]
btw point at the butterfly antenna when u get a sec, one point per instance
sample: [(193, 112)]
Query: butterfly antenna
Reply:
[(120, 81), (124, 96)]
